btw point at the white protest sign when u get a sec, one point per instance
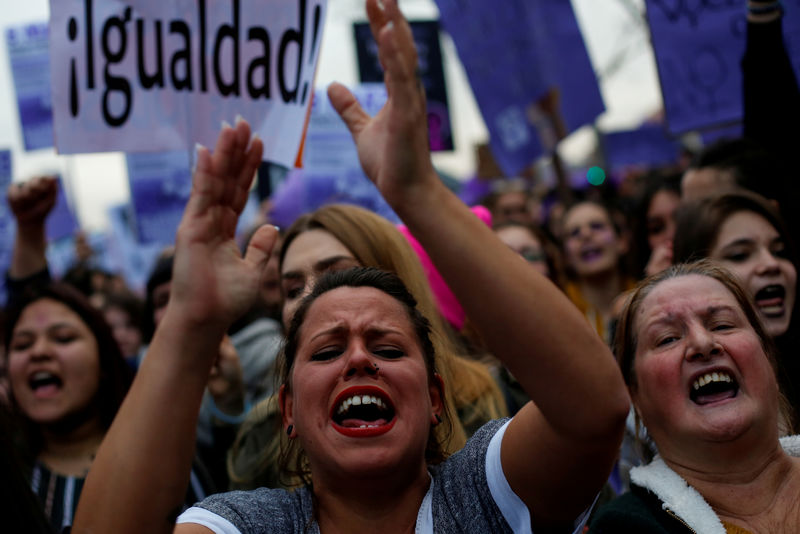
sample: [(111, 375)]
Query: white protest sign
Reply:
[(155, 75)]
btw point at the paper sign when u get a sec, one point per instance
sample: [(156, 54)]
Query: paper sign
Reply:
[(6, 221), (125, 255), (29, 56), (698, 48), (569, 64), (514, 53), (501, 59), (60, 222), (431, 73), (150, 75), (331, 171), (5, 172), (160, 184), (648, 145)]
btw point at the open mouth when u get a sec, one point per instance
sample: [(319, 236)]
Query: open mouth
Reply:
[(770, 300), (44, 383), (591, 253), (713, 387), (362, 412)]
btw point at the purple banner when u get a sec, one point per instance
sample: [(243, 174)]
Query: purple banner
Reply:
[(514, 53), (6, 221), (160, 184), (698, 48), (29, 56), (61, 222), (648, 145)]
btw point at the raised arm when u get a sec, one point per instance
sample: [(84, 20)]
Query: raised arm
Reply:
[(556, 453), (31, 203), (139, 478)]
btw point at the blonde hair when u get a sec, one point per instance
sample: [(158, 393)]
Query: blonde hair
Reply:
[(472, 397)]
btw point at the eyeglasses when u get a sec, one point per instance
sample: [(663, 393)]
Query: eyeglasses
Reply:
[(532, 256)]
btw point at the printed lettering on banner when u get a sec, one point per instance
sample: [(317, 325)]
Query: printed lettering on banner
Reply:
[(149, 75)]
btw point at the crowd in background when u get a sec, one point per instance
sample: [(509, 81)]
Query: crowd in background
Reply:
[(73, 346)]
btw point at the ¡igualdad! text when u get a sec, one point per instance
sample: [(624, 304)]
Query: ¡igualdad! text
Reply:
[(114, 47)]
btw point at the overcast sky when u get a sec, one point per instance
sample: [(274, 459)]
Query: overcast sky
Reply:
[(615, 36)]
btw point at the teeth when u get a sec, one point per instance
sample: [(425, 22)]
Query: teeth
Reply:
[(711, 377), (358, 400)]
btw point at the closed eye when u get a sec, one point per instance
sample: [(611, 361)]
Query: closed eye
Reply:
[(666, 340), (389, 353), (326, 354), (722, 326)]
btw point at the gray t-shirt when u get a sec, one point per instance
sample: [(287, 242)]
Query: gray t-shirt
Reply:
[(468, 493)]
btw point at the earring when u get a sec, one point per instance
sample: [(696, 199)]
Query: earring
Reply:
[(289, 430)]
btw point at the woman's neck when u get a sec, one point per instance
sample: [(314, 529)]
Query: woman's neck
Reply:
[(758, 492), (373, 508), (71, 452), (601, 290)]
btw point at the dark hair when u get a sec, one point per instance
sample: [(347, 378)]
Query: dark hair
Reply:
[(115, 374), (750, 165), (654, 183), (161, 273), (355, 277), (697, 223)]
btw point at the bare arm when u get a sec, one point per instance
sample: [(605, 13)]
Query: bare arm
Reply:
[(557, 453), (31, 203), (139, 477)]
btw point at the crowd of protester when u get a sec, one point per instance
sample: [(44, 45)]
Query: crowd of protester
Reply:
[(621, 360)]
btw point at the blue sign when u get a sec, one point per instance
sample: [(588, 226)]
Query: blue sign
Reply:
[(648, 145), (6, 221), (29, 56), (124, 253), (430, 70), (698, 48), (61, 222), (501, 58), (569, 63), (515, 52), (160, 184)]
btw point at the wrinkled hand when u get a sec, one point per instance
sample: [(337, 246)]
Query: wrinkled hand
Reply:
[(212, 284), (32, 201), (392, 145), (226, 383)]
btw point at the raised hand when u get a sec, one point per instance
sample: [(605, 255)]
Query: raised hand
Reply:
[(392, 145), (32, 201), (212, 284)]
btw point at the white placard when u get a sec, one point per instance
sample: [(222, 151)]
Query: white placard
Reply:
[(156, 75)]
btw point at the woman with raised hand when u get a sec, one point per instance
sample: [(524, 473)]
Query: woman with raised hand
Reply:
[(700, 368), (542, 469), (337, 237)]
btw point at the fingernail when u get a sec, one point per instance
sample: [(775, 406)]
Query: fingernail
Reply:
[(238, 119), (225, 124), (390, 25), (252, 139), (278, 228), (381, 6), (198, 147)]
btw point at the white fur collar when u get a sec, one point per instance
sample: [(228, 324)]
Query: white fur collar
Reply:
[(682, 499)]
